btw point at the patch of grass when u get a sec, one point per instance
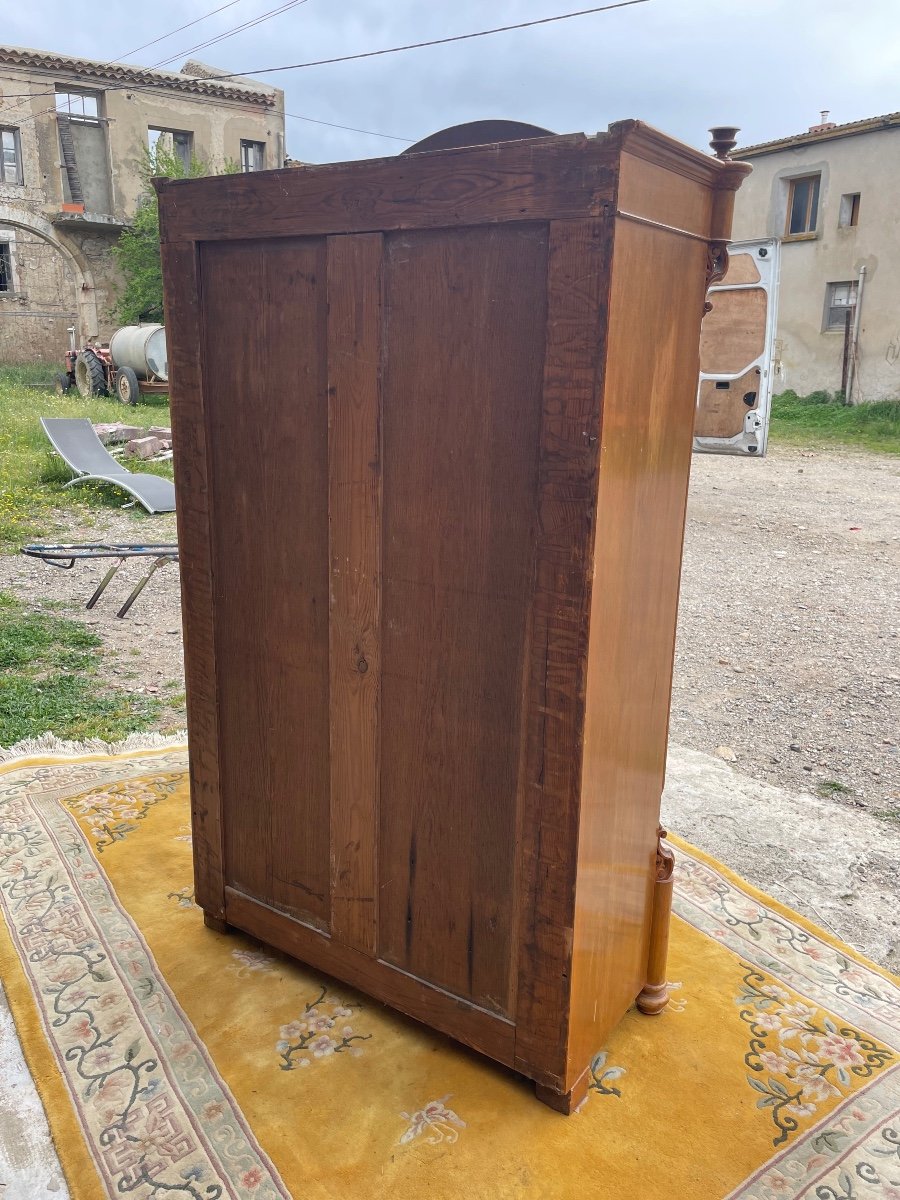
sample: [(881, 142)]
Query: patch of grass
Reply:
[(887, 814), (822, 419), (31, 476), (48, 681), (833, 787)]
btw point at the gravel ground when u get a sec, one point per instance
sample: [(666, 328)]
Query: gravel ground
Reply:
[(788, 650), (788, 667), (789, 638), (143, 651)]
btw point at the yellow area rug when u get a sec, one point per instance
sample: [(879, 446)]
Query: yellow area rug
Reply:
[(177, 1062)]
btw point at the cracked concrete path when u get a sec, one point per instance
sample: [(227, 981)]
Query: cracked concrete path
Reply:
[(29, 1168), (837, 868)]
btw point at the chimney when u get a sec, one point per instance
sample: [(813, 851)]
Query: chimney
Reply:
[(824, 124)]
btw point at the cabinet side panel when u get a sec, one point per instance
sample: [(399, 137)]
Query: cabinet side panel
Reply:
[(465, 316), (577, 293), (658, 287), (264, 362), (182, 286), (354, 401)]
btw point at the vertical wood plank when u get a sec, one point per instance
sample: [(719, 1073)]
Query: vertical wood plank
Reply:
[(463, 351), (181, 277), (268, 476), (577, 296), (354, 504)]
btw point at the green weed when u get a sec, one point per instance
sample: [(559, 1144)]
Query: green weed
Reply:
[(48, 683), (822, 419), (32, 478), (833, 787)]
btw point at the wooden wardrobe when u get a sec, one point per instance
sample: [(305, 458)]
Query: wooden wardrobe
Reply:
[(432, 419)]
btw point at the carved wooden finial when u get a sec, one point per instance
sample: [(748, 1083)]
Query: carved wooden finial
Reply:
[(723, 140)]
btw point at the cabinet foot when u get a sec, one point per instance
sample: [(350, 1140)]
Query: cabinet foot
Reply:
[(219, 924), (654, 996), (652, 999), (563, 1102)]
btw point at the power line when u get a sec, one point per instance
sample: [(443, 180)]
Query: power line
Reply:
[(196, 21), (322, 62), (352, 128), (460, 37), (266, 16)]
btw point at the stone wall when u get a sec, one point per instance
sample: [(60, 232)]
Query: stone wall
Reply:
[(35, 317)]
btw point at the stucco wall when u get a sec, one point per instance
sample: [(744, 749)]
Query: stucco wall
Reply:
[(809, 358), (65, 264)]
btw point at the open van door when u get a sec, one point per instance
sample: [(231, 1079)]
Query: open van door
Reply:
[(737, 344)]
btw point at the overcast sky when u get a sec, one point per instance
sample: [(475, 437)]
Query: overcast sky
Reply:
[(768, 66)]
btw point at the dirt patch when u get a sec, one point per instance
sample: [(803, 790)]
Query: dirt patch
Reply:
[(789, 630), (142, 652), (788, 656)]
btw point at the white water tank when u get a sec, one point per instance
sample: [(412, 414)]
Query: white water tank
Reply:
[(143, 348)]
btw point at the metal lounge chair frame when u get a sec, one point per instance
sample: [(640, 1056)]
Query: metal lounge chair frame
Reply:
[(77, 444), (65, 556)]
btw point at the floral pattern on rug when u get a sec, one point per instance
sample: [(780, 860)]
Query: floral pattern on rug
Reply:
[(112, 810), (769, 941), (602, 1076), (247, 962), (853, 1154), (677, 1004), (798, 1055), (435, 1123), (322, 1030), (157, 1118)]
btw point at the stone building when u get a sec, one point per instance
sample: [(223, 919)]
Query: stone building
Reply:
[(72, 137), (829, 195)]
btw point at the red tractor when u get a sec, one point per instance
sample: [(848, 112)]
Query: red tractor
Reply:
[(91, 371), (97, 370)]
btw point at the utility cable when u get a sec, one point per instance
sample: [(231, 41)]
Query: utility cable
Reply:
[(266, 16), (162, 38), (459, 37), (351, 128)]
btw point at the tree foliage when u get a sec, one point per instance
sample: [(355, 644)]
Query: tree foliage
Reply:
[(137, 250)]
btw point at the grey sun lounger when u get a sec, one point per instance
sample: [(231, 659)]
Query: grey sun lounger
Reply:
[(77, 444)]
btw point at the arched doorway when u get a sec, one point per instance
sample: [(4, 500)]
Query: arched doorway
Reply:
[(49, 287)]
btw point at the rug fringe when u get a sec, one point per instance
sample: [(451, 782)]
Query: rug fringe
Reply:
[(50, 744)]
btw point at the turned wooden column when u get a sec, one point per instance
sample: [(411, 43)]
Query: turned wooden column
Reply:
[(654, 996)]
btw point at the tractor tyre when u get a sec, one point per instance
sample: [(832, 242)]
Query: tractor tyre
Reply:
[(127, 386), (61, 383), (90, 376)]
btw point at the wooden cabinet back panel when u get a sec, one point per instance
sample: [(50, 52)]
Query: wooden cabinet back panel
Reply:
[(263, 327), (463, 371)]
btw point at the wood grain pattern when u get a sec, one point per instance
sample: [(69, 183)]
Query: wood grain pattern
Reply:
[(462, 405), (484, 1031), (514, 181), (648, 403), (721, 410), (265, 367), (649, 190), (742, 268), (577, 289), (354, 490), (433, 430), (734, 331), (194, 514)]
